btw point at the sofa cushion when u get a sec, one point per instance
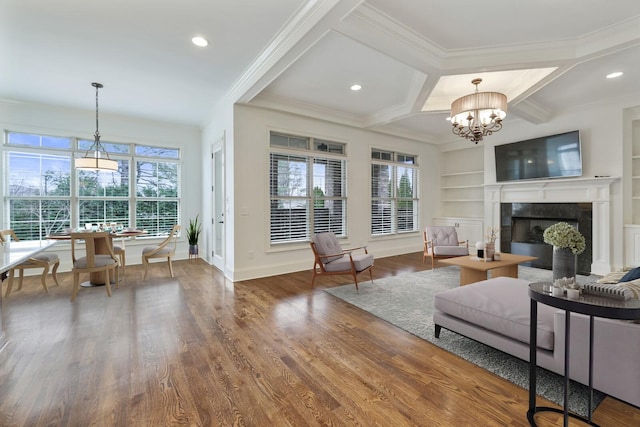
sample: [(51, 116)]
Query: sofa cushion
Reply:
[(361, 261), (450, 250), (502, 305)]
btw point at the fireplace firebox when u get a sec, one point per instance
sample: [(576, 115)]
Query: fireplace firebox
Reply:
[(523, 224)]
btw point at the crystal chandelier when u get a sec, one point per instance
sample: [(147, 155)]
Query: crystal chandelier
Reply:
[(96, 158), (479, 114)]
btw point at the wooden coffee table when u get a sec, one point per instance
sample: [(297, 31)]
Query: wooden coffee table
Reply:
[(472, 271)]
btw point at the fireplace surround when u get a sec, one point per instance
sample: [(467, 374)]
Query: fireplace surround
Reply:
[(593, 191)]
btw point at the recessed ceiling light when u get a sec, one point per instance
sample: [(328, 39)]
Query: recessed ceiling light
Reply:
[(356, 87), (200, 41), (614, 75)]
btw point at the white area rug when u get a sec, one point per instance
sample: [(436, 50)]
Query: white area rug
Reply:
[(406, 301)]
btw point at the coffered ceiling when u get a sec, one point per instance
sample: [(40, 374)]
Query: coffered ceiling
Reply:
[(411, 57)]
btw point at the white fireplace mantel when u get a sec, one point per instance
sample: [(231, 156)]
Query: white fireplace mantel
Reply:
[(564, 190)]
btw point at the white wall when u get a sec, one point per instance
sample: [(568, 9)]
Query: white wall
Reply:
[(254, 257), (61, 121), (220, 126)]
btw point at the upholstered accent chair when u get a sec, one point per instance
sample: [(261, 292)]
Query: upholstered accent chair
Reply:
[(331, 258), (443, 242), (166, 249), (41, 260)]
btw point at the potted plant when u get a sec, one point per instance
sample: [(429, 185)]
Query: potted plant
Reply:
[(567, 243), (193, 234)]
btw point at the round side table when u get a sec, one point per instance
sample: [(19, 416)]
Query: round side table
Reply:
[(590, 305)]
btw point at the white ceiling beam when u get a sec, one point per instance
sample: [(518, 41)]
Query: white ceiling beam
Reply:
[(300, 34)]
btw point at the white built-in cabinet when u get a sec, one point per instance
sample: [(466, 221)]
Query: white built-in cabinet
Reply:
[(462, 192)]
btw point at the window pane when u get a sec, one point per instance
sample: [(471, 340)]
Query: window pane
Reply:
[(289, 219), (38, 140), (290, 141), (31, 174), (103, 183), (169, 153), (104, 212), (288, 175), (406, 159), (381, 181), (35, 219), (156, 179), (381, 217), (381, 155), (328, 179), (328, 146), (109, 147), (329, 215), (157, 217)]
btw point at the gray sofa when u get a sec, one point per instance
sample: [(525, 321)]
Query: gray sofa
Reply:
[(496, 313)]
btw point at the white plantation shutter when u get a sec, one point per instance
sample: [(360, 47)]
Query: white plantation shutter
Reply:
[(394, 193), (382, 204), (407, 197), (329, 209), (307, 189)]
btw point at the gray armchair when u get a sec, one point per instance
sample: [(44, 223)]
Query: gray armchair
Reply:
[(330, 258), (442, 242)]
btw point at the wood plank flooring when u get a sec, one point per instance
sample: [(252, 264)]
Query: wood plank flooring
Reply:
[(199, 350)]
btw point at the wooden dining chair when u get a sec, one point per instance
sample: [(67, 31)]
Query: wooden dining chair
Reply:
[(41, 260), (163, 250), (99, 257), (120, 252)]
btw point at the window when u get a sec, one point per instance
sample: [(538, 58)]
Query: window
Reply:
[(41, 199), (39, 193), (307, 181), (394, 193)]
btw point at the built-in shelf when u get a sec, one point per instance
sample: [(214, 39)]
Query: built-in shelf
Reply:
[(453, 187), (462, 183), (463, 173)]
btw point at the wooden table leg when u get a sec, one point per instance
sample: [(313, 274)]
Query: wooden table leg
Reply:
[(506, 271), (98, 278)]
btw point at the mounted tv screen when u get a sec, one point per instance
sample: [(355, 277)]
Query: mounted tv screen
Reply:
[(553, 156)]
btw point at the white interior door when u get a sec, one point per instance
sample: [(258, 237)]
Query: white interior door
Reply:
[(217, 202)]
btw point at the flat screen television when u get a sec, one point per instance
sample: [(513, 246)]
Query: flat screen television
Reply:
[(553, 156)]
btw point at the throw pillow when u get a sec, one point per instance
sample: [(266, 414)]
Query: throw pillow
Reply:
[(631, 275)]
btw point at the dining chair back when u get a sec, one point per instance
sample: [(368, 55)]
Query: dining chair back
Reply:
[(99, 257), (41, 260)]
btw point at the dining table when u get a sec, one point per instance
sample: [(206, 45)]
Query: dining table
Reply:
[(12, 254), (98, 278)]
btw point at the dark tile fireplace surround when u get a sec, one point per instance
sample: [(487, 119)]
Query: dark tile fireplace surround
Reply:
[(522, 226)]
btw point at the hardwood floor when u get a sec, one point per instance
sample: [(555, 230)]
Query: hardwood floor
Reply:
[(199, 350)]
